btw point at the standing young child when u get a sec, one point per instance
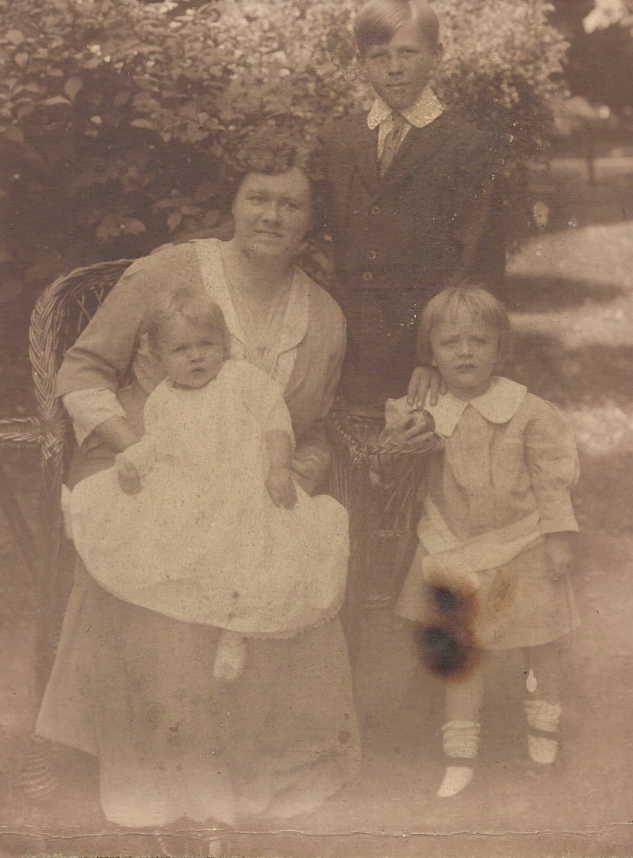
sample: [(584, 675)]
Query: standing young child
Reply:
[(200, 520), (495, 536)]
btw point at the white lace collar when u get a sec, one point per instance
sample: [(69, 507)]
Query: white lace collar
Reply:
[(296, 316), (422, 112), (498, 404)]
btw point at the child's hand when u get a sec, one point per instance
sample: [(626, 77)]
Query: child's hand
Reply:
[(127, 474), (411, 434), (281, 487), (559, 553), (437, 575)]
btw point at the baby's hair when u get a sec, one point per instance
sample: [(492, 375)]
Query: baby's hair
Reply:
[(195, 308), (478, 302), (378, 20)]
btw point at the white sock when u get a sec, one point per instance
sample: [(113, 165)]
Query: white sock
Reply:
[(460, 740), (545, 718)]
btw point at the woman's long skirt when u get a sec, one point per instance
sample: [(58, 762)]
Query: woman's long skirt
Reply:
[(136, 689)]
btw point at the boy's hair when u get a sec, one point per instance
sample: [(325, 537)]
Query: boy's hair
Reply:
[(378, 20), (477, 301), (195, 308)]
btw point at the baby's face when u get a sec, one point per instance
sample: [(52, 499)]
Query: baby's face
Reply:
[(465, 350), (191, 356)]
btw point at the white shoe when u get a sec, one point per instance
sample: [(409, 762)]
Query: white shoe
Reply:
[(456, 779)]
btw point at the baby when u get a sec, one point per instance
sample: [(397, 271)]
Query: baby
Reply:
[(201, 520)]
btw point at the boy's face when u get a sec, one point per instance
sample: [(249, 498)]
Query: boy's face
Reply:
[(191, 355), (400, 69)]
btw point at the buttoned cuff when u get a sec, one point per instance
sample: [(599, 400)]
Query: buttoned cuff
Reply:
[(89, 408)]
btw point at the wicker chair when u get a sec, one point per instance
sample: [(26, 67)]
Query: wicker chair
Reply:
[(59, 316)]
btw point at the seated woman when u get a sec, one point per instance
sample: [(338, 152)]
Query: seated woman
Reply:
[(136, 687)]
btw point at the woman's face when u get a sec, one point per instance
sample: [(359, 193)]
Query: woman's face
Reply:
[(273, 213)]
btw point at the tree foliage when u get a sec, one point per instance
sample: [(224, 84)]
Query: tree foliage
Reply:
[(117, 117)]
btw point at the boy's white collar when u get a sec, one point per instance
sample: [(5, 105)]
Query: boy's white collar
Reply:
[(498, 404), (426, 109)]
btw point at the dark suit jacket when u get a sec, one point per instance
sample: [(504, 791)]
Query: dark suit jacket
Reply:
[(399, 239), (409, 228)]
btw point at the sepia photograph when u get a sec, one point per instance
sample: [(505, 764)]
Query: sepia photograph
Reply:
[(371, 597)]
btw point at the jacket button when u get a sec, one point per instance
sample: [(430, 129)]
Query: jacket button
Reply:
[(367, 275), (371, 254), (375, 210)]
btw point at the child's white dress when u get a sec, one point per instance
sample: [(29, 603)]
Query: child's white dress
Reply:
[(202, 541)]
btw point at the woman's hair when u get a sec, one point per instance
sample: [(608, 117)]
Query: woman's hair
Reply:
[(270, 150), (475, 300), (194, 308), (378, 20)]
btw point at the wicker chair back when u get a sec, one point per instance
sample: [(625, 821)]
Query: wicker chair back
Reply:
[(60, 314)]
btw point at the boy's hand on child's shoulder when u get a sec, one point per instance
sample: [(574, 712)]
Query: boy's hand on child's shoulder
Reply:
[(281, 487), (425, 380), (559, 552), (127, 474)]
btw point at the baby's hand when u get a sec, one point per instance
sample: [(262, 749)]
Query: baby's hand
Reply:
[(127, 474), (559, 553), (281, 487)]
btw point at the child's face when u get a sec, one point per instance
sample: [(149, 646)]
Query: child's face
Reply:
[(465, 350), (191, 355), (400, 69)]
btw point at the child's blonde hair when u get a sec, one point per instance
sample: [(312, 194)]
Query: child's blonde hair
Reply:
[(195, 308), (478, 302), (378, 20)]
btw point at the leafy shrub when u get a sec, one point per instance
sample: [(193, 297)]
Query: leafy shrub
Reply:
[(117, 116)]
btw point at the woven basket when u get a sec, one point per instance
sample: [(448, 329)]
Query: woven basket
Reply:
[(382, 494), (361, 464)]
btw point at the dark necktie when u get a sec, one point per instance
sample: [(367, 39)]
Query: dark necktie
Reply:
[(392, 141)]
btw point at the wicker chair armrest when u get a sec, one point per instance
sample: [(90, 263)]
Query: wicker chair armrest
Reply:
[(20, 432)]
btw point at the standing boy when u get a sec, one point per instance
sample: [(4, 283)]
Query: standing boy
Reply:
[(411, 195)]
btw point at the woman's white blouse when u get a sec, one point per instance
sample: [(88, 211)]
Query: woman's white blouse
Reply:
[(91, 407)]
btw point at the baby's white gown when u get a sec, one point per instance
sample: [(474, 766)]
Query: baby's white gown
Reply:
[(202, 541)]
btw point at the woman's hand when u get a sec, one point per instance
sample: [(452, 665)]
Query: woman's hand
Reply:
[(281, 487), (559, 553), (424, 380), (117, 433)]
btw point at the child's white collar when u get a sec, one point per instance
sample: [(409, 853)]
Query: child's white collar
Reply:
[(498, 404)]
